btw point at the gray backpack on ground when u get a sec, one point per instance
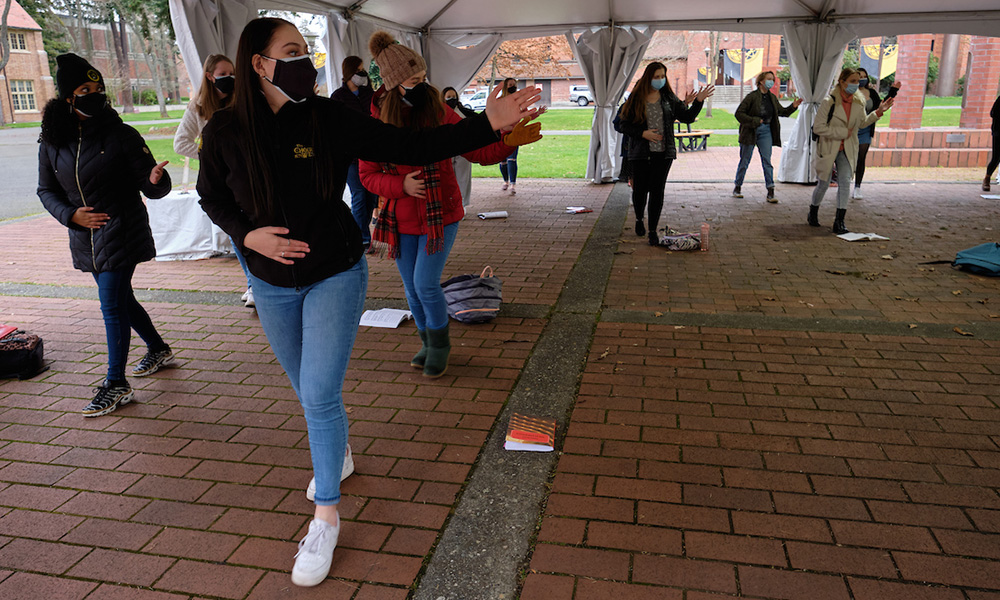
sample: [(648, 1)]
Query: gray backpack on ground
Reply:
[(473, 298)]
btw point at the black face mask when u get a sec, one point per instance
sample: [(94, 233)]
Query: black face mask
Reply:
[(452, 102), (294, 77), (417, 95), (511, 89), (225, 84), (90, 105)]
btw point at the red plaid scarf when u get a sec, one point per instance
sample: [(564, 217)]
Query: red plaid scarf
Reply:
[(385, 241)]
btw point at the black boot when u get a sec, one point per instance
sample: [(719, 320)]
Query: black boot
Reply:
[(770, 196), (420, 357), (640, 229), (737, 192), (653, 240), (813, 216), (438, 349), (838, 222)]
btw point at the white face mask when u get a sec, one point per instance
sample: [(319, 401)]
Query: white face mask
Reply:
[(359, 80)]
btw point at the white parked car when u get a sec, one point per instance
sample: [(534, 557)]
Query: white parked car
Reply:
[(580, 94), (476, 102)]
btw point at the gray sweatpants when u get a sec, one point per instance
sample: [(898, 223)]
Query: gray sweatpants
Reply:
[(844, 175)]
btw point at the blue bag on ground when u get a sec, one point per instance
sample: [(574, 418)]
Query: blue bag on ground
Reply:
[(983, 259), (472, 298)]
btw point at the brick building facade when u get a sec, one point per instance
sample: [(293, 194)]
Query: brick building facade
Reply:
[(25, 83)]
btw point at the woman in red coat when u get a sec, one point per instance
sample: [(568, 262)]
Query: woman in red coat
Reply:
[(419, 222)]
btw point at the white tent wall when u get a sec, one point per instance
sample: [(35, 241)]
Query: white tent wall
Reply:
[(609, 57), (815, 53), (203, 28)]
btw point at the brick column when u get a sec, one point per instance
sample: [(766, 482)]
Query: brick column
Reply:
[(981, 82), (911, 72)]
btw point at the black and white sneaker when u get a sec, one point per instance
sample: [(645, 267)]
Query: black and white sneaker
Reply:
[(152, 362), (108, 398)]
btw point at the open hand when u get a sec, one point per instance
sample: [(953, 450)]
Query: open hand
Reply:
[(797, 102), (414, 187), (268, 241), (510, 109), (86, 217), (689, 98), (886, 105), (524, 133), (652, 135), (157, 173), (897, 84), (705, 93)]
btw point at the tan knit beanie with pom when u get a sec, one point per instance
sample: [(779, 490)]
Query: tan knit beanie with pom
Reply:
[(396, 62)]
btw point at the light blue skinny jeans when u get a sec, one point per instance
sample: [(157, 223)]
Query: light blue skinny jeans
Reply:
[(421, 273), (764, 145)]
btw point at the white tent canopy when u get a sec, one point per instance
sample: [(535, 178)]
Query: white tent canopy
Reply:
[(441, 28)]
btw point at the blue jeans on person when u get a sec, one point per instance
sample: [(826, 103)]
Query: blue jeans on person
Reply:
[(843, 166), (242, 260), (421, 273), (363, 203), (311, 331), (764, 145), (508, 168), (123, 313)]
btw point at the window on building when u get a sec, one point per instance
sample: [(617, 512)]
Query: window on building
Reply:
[(22, 92), (17, 40)]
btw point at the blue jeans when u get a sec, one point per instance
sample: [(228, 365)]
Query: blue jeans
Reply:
[(242, 259), (508, 167), (123, 313), (311, 331), (421, 273), (363, 203), (764, 145)]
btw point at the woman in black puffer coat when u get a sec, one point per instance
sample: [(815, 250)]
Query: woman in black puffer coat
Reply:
[(91, 168)]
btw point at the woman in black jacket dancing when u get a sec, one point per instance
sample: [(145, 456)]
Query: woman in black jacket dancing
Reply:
[(91, 168)]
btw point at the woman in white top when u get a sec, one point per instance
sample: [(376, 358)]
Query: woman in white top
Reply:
[(217, 85)]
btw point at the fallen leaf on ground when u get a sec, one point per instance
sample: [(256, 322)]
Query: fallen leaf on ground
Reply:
[(956, 293), (984, 301), (960, 332), (657, 314), (604, 354), (887, 257), (835, 272), (912, 326)]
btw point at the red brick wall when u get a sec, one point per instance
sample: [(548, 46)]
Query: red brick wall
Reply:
[(33, 65), (911, 71), (981, 82)]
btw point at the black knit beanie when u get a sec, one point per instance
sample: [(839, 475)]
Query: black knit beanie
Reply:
[(72, 71)]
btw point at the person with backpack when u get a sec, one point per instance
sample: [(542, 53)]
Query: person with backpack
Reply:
[(995, 157), (419, 222), (759, 127), (647, 118), (91, 169), (273, 172), (839, 118), (869, 90)]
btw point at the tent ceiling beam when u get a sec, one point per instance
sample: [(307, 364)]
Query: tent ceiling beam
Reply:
[(808, 8), (441, 12)]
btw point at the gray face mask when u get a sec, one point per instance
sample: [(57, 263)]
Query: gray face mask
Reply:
[(359, 80)]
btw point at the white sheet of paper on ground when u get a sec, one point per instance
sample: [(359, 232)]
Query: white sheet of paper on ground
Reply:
[(857, 237), (384, 317), (497, 214), (572, 210), (991, 196)]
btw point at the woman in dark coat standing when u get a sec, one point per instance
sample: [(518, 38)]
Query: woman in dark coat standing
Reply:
[(647, 118), (759, 127), (356, 94), (91, 168), (995, 157)]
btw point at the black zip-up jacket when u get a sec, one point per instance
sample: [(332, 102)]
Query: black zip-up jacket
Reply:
[(673, 110), (362, 103), (104, 166), (325, 223), (877, 102)]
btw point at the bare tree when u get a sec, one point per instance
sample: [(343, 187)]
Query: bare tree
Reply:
[(4, 40), (714, 40)]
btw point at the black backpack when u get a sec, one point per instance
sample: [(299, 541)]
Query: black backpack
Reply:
[(829, 117)]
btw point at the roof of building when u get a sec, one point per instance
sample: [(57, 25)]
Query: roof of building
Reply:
[(20, 19)]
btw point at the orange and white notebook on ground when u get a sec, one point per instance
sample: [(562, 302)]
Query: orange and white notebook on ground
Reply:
[(530, 434)]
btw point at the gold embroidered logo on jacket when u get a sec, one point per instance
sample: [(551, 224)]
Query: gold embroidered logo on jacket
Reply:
[(304, 151)]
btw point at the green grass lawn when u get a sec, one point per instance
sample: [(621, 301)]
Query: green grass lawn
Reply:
[(575, 119), (164, 150), (942, 100), (942, 117), (151, 116)]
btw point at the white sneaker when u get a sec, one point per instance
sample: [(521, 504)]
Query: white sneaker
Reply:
[(857, 194), (315, 555), (245, 295), (345, 472), (248, 301)]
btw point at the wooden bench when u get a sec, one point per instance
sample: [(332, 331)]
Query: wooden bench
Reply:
[(691, 141)]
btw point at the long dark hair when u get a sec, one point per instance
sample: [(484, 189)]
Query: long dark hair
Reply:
[(396, 112), (253, 114), (634, 109), (60, 125)]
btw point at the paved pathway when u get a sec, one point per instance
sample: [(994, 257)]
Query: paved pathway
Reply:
[(785, 416)]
